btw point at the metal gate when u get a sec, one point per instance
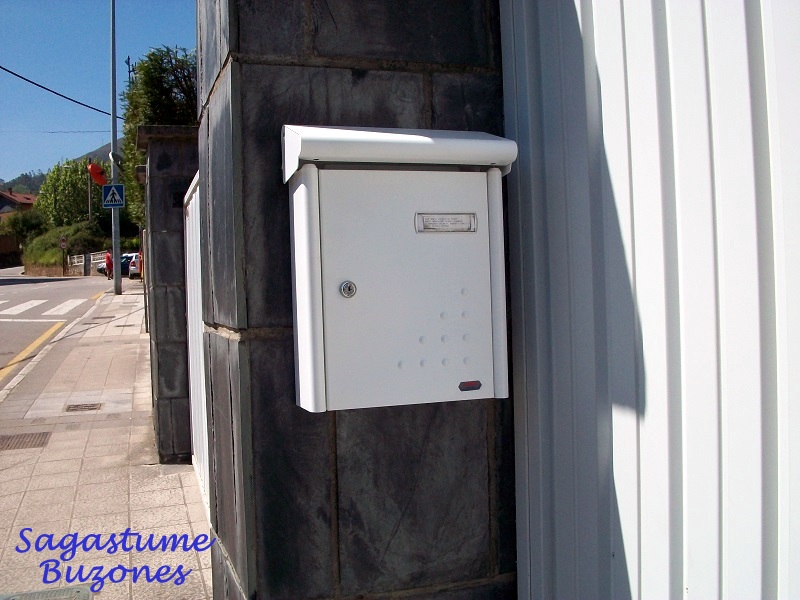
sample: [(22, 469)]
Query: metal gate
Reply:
[(194, 323)]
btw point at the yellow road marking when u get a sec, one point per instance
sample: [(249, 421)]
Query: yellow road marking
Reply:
[(96, 296), (30, 349)]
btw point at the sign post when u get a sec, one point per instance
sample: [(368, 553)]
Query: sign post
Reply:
[(63, 244)]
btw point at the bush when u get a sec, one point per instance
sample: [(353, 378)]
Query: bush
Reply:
[(25, 225)]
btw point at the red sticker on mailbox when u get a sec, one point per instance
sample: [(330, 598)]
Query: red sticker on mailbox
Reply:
[(469, 386)]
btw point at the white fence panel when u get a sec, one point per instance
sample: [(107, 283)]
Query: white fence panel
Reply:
[(194, 318)]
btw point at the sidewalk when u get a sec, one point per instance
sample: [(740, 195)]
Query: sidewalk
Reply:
[(69, 466)]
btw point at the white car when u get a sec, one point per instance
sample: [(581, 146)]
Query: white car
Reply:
[(135, 267)]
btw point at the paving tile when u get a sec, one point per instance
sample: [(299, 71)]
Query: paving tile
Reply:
[(12, 487), (48, 496), (196, 511), (106, 437), (102, 490), (68, 427), (11, 501), (29, 515), (104, 475), (146, 478), (192, 494), (156, 498), (110, 450), (22, 471), (199, 527), (57, 466), (58, 480), (101, 506), (54, 454), (12, 458), (105, 462), (67, 437), (111, 523), (207, 579), (169, 515)]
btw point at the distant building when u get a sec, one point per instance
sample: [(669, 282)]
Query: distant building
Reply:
[(11, 201)]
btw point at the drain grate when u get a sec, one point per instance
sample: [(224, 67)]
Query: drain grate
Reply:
[(83, 407), (21, 441), (71, 593)]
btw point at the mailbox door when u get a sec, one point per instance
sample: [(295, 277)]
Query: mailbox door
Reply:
[(406, 292)]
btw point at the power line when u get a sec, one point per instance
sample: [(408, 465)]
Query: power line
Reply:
[(47, 89)]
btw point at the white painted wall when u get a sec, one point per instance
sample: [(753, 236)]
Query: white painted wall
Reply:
[(655, 276)]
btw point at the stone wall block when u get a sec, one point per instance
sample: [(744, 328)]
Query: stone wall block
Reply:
[(167, 266), (413, 496), (223, 472), (163, 426), (468, 102), (173, 372), (205, 252), (214, 35), (428, 31), (181, 414), (168, 193), (174, 157), (271, 27), (168, 311), (292, 481), (272, 97), (222, 208)]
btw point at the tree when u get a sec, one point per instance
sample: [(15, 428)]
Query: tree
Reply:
[(25, 225), (163, 91), (64, 196)]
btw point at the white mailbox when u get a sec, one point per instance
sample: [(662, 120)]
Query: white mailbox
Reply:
[(398, 265)]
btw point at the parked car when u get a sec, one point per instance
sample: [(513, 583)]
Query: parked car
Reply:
[(124, 264), (135, 267)]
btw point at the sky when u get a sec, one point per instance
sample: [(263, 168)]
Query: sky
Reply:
[(66, 45)]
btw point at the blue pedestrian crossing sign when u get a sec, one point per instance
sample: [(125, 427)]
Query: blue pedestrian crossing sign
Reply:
[(114, 196)]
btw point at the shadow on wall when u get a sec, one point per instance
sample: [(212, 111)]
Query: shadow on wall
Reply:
[(583, 351)]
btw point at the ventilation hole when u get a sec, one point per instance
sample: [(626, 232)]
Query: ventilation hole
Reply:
[(83, 407), (21, 441)]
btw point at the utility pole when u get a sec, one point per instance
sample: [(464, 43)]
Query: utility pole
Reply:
[(114, 211)]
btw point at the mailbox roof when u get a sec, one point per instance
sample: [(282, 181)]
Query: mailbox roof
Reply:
[(393, 146)]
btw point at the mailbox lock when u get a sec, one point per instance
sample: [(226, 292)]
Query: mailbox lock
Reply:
[(347, 289)]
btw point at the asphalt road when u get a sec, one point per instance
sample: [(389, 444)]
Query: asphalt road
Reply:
[(34, 310)]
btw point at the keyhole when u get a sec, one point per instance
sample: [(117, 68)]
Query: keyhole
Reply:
[(348, 289)]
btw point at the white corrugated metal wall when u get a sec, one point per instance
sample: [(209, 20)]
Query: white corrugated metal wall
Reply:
[(655, 273)]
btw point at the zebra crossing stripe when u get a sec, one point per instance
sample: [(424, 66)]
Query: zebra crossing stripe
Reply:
[(15, 310), (65, 307)]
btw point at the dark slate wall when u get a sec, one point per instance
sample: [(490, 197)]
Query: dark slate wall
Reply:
[(419, 499), (172, 161)]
